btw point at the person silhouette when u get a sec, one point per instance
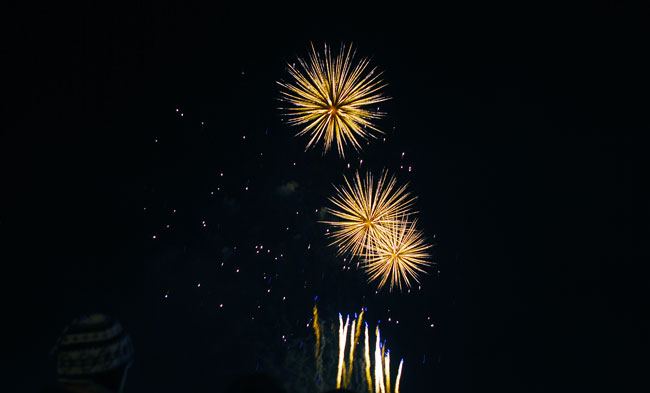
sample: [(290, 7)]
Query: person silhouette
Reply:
[(93, 355)]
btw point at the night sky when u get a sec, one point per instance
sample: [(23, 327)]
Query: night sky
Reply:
[(146, 173)]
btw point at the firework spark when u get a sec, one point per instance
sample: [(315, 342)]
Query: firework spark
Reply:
[(331, 99), (365, 210), (398, 255)]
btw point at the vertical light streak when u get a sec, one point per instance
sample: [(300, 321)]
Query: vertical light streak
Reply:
[(399, 375), (382, 372), (318, 352), (379, 374), (387, 369), (367, 359), (356, 335), (316, 331), (353, 344), (343, 335)]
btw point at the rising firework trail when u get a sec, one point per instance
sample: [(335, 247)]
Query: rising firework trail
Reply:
[(318, 332), (343, 330), (367, 361), (380, 367), (353, 345)]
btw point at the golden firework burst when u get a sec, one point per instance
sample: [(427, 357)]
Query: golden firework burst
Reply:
[(365, 210), (333, 99), (397, 255)]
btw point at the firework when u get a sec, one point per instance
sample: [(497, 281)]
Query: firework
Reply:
[(343, 330), (365, 210), (319, 345), (317, 329), (352, 347), (399, 376), (398, 255), (366, 357), (333, 99), (380, 365), (379, 371)]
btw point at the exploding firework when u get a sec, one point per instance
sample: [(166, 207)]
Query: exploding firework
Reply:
[(333, 99), (365, 211), (398, 255)]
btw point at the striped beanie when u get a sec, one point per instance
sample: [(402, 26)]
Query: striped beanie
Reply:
[(91, 345)]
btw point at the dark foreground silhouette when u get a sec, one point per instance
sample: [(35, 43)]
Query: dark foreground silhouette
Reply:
[(93, 355)]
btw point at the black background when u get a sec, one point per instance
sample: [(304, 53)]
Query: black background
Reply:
[(526, 128)]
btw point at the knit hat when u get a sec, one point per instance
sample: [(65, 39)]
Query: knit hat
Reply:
[(91, 345)]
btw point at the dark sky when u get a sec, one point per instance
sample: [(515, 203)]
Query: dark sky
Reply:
[(525, 128)]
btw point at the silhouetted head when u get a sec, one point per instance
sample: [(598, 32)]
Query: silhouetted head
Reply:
[(94, 349)]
